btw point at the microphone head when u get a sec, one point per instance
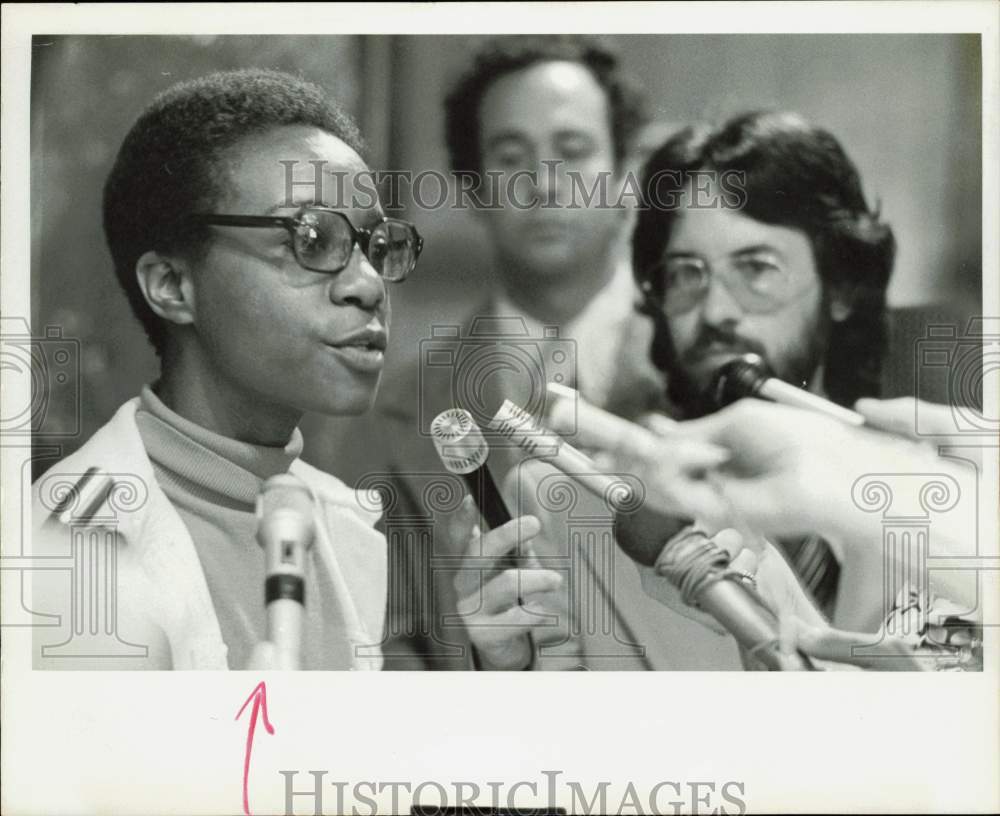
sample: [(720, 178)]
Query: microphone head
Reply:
[(643, 533), (284, 492), (459, 441), (286, 526), (740, 377)]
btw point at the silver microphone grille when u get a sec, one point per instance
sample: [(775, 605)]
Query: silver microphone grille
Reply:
[(284, 492), (459, 442)]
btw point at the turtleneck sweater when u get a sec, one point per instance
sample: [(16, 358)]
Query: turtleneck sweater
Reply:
[(213, 482)]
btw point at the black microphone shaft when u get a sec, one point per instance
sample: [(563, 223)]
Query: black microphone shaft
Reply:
[(487, 497)]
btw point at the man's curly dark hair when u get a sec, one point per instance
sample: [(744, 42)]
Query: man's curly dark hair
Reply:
[(501, 56), (172, 163), (794, 175)]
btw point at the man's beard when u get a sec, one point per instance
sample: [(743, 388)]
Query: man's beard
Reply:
[(691, 395)]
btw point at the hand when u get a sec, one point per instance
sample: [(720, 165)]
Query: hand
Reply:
[(669, 464), (899, 416), (791, 471), (753, 556), (741, 559), (501, 602)]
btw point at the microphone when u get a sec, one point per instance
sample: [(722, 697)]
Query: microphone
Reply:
[(514, 423), (286, 530), (699, 569), (463, 451), (696, 566), (749, 376)]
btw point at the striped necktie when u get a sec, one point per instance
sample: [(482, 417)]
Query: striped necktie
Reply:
[(817, 568)]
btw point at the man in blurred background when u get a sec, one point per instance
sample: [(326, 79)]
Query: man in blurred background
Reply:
[(796, 274), (552, 118), (559, 109)]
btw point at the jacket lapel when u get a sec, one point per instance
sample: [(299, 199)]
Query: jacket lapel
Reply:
[(114, 486)]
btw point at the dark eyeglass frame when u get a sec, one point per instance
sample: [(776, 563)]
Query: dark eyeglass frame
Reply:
[(360, 236), (654, 292)]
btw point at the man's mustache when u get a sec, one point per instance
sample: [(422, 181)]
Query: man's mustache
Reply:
[(712, 339)]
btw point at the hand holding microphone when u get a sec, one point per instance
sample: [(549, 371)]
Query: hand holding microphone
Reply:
[(700, 567), (503, 593), (670, 464), (776, 456)]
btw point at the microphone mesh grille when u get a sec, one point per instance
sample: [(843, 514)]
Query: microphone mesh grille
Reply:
[(285, 492), (459, 442)]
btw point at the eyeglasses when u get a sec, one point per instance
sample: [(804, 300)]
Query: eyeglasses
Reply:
[(323, 240), (756, 284)]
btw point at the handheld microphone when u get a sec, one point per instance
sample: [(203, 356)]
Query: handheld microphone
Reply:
[(517, 425), (749, 376), (696, 566), (463, 451), (286, 530), (699, 569)]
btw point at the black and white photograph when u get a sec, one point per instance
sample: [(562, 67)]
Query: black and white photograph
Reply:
[(686, 368)]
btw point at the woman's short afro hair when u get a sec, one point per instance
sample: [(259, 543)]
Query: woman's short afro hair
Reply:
[(169, 165)]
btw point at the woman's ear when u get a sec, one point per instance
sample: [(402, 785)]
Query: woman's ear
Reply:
[(166, 284)]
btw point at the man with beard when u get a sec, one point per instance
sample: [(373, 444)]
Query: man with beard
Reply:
[(756, 237), (550, 116)]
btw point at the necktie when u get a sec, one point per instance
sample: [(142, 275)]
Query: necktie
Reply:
[(817, 568)]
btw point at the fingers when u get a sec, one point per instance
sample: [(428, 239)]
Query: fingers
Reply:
[(614, 435), (462, 523), (715, 427), (630, 441), (741, 558), (495, 544), (524, 617), (753, 500), (788, 633), (701, 498), (781, 590), (731, 541), (501, 615), (529, 559), (659, 424), (503, 591), (897, 416), (607, 462), (856, 649), (687, 455), (839, 647), (744, 562)]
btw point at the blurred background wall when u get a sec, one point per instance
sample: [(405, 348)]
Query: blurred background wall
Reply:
[(905, 107)]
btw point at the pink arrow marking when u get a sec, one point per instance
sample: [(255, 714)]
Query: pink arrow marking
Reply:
[(259, 697)]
